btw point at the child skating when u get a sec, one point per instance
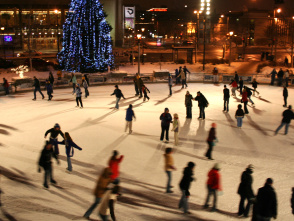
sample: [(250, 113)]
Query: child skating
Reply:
[(176, 129)]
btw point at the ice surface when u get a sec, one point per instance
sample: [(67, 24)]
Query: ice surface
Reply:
[(98, 129)]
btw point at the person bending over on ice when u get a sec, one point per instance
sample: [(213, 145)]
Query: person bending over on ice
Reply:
[(69, 145), (45, 162), (54, 132)]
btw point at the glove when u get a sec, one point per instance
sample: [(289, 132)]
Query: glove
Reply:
[(39, 170)]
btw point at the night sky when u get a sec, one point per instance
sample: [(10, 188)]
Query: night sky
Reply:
[(220, 6)]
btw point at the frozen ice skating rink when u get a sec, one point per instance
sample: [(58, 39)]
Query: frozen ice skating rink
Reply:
[(98, 129)]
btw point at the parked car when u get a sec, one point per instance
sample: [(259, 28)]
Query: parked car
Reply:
[(27, 53), (6, 63), (39, 64)]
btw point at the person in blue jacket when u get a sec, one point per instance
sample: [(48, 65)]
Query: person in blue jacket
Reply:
[(129, 118), (166, 119), (69, 149)]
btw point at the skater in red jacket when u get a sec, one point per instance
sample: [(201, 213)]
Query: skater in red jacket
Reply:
[(113, 164)]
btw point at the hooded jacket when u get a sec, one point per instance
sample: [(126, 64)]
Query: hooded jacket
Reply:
[(114, 166), (214, 179), (187, 179), (245, 187), (266, 201), (169, 162), (202, 102)]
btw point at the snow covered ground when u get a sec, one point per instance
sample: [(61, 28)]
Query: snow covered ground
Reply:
[(99, 130)]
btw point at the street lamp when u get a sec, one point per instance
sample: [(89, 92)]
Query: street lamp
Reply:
[(196, 33), (57, 33), (275, 30), (231, 34), (139, 36)]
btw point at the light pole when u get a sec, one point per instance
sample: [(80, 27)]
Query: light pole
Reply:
[(196, 33), (57, 35), (143, 29), (275, 30), (139, 41), (231, 34), (3, 41)]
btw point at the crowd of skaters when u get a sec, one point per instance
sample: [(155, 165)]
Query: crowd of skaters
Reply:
[(108, 188)]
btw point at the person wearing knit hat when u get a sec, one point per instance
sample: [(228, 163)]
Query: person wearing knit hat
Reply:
[(78, 93), (213, 186), (176, 128), (211, 140), (54, 132), (245, 191), (166, 119)]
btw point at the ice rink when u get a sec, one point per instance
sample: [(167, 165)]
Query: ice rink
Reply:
[(99, 129)]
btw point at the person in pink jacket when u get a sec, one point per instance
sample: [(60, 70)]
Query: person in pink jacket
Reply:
[(113, 164)]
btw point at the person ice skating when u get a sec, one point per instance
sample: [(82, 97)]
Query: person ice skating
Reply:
[(288, 115), (226, 93), (185, 69), (139, 84), (130, 115), (74, 82), (69, 149), (177, 73), (249, 94), (292, 201), (107, 203), (254, 85), (285, 95), (176, 129), (245, 191), (213, 186), (170, 84), (169, 167), (183, 77), (215, 75), (45, 162), (239, 116), (266, 202), (54, 132), (86, 86), (118, 94), (287, 78), (145, 90), (51, 79), (188, 104), (136, 85), (273, 76), (286, 61), (236, 77), (185, 186), (49, 89), (234, 87), (280, 77), (241, 85), (101, 187), (244, 100), (113, 164), (166, 119), (202, 104), (211, 140), (78, 93), (6, 86), (37, 88)]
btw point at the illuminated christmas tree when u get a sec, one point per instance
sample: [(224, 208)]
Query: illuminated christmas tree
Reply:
[(86, 43)]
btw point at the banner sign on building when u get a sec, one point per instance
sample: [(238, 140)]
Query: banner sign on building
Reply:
[(129, 12)]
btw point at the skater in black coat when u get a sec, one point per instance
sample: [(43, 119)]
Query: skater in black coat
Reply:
[(188, 104), (185, 186), (241, 83), (37, 88), (245, 191), (288, 115), (166, 119), (285, 95), (54, 132), (226, 93), (45, 162), (202, 103), (266, 202)]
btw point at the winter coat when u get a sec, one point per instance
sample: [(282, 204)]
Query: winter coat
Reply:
[(73, 79), (54, 133), (130, 114), (280, 74), (169, 162), (170, 81), (114, 166), (182, 75), (49, 88), (139, 82), (239, 113), (249, 93), (78, 92), (102, 183), (187, 179), (202, 102), (188, 100), (266, 201), (214, 179), (237, 78), (226, 93), (69, 147), (51, 79), (244, 96), (288, 115), (245, 187), (273, 73), (254, 84), (117, 92), (241, 84), (166, 119), (234, 83), (177, 72), (85, 84), (211, 136), (144, 90), (5, 84), (45, 158), (176, 125), (285, 92), (36, 83)]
